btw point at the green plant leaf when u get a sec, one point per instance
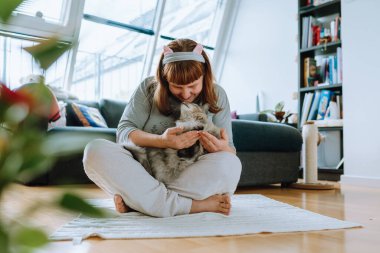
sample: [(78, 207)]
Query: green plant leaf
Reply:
[(7, 7), (74, 203), (30, 237), (279, 106), (47, 52), (4, 239)]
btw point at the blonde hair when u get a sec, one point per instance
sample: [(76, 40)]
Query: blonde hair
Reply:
[(184, 72)]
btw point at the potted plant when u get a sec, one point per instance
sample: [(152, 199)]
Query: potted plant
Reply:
[(278, 112)]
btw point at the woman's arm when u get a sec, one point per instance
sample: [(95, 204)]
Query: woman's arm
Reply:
[(136, 113)]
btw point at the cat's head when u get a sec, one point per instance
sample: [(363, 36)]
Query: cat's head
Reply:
[(192, 117)]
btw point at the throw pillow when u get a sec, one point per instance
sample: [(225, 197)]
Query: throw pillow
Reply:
[(112, 110), (87, 116)]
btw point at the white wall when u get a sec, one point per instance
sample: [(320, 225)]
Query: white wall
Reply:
[(262, 55), (361, 88)]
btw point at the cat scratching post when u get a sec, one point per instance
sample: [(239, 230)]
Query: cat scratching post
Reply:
[(310, 160)]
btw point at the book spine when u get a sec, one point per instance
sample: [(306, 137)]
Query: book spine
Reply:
[(335, 68), (306, 107), (306, 71), (314, 107), (339, 69), (310, 32), (338, 102), (331, 68), (323, 104), (303, 43)]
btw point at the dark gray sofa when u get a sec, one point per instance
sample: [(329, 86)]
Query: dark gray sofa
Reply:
[(269, 152)]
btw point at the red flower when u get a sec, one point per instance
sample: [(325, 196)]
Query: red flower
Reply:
[(38, 97), (9, 97)]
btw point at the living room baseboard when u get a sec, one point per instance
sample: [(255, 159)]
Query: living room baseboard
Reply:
[(373, 182)]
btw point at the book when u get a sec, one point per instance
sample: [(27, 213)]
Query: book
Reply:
[(322, 68), (314, 107), (310, 72), (339, 65), (337, 29), (306, 107), (324, 101), (316, 34), (340, 105), (310, 32), (305, 21)]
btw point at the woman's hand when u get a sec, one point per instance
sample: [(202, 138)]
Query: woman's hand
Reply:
[(175, 139), (213, 144)]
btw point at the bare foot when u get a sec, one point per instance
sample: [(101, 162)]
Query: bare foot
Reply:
[(120, 206), (216, 203)]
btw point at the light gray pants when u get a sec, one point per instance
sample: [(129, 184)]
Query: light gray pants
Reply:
[(113, 169)]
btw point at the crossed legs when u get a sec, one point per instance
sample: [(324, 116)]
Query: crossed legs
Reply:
[(199, 188)]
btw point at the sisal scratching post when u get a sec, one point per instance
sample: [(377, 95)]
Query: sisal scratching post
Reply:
[(310, 160)]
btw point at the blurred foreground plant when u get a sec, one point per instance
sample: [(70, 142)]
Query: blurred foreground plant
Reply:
[(26, 150)]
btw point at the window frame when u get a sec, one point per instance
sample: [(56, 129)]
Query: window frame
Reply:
[(37, 27)]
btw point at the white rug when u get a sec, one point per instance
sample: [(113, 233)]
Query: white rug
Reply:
[(250, 214)]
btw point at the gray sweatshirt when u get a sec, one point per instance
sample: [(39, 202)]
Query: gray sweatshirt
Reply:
[(141, 113)]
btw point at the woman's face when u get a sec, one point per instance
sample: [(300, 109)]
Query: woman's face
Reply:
[(187, 92)]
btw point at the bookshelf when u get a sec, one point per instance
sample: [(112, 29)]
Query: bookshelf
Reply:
[(320, 78)]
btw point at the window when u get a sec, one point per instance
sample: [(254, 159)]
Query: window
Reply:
[(194, 19), (51, 12), (107, 67), (111, 52), (113, 64), (115, 45), (16, 63), (32, 22), (134, 12), (46, 18)]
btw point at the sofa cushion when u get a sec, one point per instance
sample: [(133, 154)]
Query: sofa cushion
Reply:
[(86, 116), (71, 118), (112, 110)]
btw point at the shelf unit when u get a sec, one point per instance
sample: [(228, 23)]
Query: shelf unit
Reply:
[(319, 12)]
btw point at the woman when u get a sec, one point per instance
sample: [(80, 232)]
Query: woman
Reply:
[(184, 73)]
